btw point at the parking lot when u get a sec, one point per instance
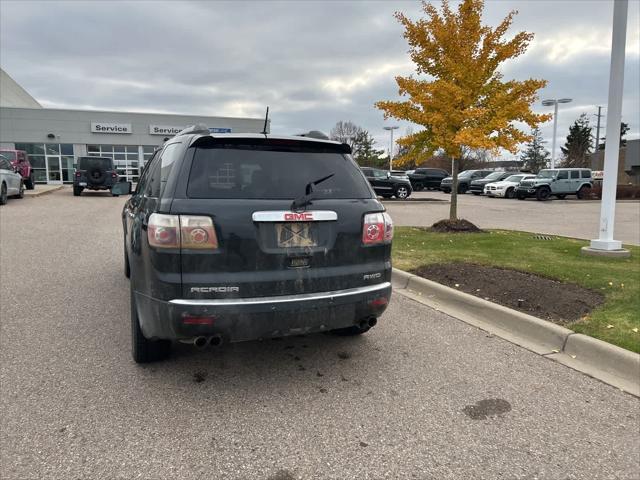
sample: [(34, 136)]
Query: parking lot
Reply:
[(570, 217), (420, 396)]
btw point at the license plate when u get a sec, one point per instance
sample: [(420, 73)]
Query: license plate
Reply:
[(82, 184), (295, 234)]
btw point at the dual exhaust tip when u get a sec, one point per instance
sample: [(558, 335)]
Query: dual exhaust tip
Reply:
[(213, 341), (368, 323)]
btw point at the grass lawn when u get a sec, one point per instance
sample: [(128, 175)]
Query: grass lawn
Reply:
[(560, 259)]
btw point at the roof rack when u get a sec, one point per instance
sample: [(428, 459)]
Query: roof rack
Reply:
[(314, 134), (197, 128)]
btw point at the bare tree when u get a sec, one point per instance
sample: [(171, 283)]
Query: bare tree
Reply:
[(346, 132)]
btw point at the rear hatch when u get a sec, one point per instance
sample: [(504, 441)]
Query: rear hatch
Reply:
[(96, 171), (265, 246)]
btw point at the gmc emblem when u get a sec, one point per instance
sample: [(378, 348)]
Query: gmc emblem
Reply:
[(298, 217)]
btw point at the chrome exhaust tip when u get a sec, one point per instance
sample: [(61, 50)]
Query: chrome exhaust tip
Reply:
[(200, 342), (215, 341)]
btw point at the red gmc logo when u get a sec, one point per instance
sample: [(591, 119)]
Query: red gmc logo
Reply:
[(297, 217)]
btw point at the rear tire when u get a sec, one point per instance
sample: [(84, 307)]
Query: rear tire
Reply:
[(3, 194), (510, 193), (77, 191), (476, 193), (127, 267), (144, 350), (21, 190), (462, 189), (520, 196), (584, 192), (543, 194), (30, 183), (444, 190)]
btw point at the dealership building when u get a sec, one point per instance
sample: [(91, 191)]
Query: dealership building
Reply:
[(55, 138)]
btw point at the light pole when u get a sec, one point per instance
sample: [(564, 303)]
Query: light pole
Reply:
[(605, 244), (391, 129), (548, 103)]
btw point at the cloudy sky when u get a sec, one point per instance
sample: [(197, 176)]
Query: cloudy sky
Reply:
[(312, 62)]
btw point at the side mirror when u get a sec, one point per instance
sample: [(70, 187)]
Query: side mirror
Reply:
[(388, 174), (121, 188)]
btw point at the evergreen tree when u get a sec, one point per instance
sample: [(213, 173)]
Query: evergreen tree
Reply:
[(365, 154), (535, 157), (624, 128), (578, 145)]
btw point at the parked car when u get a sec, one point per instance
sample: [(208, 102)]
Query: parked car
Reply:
[(386, 185), (506, 188), (558, 182), (20, 160), (464, 180), (238, 237), (477, 186), (429, 178), (399, 174), (94, 173), (11, 183)]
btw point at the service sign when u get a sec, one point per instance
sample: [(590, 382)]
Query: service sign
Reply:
[(164, 130), (106, 127)]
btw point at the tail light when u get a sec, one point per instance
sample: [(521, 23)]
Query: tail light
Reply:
[(197, 232), (78, 173), (377, 229), (114, 175), (181, 231), (164, 231), (194, 320)]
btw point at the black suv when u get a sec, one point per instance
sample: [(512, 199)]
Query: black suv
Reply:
[(477, 186), (94, 173), (238, 237), (464, 180), (386, 185), (429, 178)]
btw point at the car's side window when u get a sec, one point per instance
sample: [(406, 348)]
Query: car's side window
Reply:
[(3, 164), (563, 175), (575, 174), (586, 173), (145, 176), (154, 180)]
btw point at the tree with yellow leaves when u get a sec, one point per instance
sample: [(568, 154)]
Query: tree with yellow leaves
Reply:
[(464, 102)]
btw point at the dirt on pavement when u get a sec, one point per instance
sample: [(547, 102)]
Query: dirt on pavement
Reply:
[(538, 296)]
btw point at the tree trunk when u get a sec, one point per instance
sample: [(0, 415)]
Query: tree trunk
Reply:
[(453, 209)]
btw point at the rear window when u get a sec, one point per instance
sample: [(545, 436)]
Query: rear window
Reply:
[(267, 174), (89, 163)]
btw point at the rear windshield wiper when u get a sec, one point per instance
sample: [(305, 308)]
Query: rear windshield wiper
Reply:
[(306, 199)]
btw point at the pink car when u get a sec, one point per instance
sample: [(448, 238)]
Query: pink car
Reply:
[(20, 160)]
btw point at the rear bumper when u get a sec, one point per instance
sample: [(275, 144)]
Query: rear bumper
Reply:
[(240, 319)]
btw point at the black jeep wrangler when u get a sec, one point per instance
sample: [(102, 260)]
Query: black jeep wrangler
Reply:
[(94, 173), (230, 238)]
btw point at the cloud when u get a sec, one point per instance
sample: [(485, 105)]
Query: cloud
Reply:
[(312, 62)]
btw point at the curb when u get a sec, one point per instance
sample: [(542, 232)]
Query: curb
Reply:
[(39, 193), (611, 364)]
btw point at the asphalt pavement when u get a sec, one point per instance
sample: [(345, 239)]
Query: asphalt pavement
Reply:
[(568, 218), (422, 395)]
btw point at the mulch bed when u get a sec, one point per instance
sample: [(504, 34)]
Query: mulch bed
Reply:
[(538, 296), (460, 225)]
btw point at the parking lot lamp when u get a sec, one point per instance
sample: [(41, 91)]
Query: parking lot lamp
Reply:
[(605, 244), (391, 129), (548, 103)]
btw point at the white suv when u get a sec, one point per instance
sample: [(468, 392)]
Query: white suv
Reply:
[(506, 188)]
